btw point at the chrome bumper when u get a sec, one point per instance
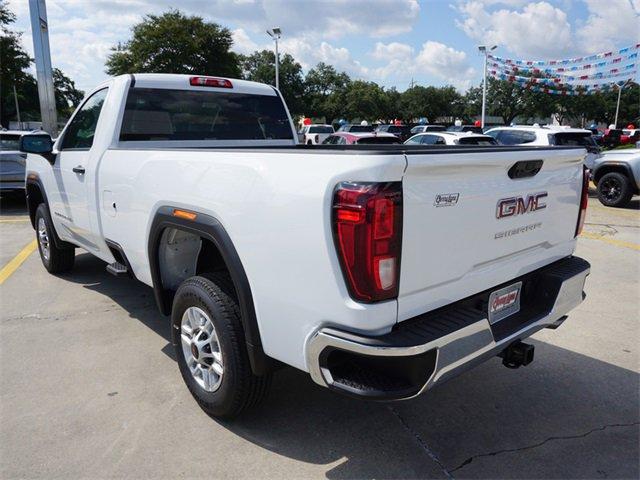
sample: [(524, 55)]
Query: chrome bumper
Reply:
[(455, 352)]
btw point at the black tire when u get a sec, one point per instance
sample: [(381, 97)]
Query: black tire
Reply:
[(239, 389), (54, 259), (614, 190)]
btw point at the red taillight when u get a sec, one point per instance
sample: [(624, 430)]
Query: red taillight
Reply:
[(367, 229), (210, 82), (584, 200)]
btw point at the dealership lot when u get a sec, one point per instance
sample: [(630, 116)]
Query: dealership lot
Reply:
[(89, 388)]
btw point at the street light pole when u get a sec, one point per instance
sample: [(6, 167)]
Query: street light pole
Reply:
[(485, 52), (44, 73), (620, 87), (275, 33)]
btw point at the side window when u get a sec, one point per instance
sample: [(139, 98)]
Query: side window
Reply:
[(428, 139), (493, 133), (341, 141), (413, 141), (508, 137), (80, 132), (527, 137), (440, 141)]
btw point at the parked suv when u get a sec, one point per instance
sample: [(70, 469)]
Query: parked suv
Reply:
[(403, 132), (534, 135), (617, 176), (314, 134)]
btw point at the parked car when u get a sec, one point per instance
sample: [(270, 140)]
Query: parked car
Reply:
[(401, 131), (350, 128), (629, 136), (427, 128), (12, 161), (451, 138), (345, 138), (548, 136), (314, 134), (616, 175), (380, 272), (465, 128), (612, 137)]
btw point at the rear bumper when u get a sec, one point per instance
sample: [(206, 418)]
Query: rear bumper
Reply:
[(431, 348)]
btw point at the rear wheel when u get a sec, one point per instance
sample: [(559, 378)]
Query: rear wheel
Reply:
[(210, 347), (614, 190), (54, 259)]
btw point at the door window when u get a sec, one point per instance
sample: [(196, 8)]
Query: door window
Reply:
[(81, 130)]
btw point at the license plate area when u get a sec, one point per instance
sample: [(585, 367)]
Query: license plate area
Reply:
[(504, 302)]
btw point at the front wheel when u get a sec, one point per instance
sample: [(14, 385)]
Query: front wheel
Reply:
[(210, 347), (54, 259), (614, 190)]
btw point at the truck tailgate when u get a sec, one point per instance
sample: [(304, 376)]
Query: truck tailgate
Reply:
[(454, 243)]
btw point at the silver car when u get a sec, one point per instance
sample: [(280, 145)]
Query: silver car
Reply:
[(617, 176), (12, 161)]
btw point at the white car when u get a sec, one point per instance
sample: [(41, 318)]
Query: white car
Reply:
[(451, 138), (380, 270), (548, 136), (314, 134)]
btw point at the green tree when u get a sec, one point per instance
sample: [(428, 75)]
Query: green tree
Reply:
[(175, 43), (365, 101), (260, 67), (67, 95), (324, 90)]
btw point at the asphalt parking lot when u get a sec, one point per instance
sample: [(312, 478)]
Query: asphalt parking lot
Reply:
[(90, 389)]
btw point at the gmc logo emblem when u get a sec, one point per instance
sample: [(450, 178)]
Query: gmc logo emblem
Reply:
[(511, 207)]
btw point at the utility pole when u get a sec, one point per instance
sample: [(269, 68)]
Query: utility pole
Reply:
[(44, 72), (275, 33), (485, 52)]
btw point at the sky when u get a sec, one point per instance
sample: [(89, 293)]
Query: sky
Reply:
[(391, 42)]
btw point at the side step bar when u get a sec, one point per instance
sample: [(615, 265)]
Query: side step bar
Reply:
[(121, 267), (117, 269)]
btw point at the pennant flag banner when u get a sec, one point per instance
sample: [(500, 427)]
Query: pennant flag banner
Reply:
[(573, 76), (569, 61)]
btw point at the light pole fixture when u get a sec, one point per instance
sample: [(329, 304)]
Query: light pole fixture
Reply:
[(620, 87), (483, 49), (275, 33)]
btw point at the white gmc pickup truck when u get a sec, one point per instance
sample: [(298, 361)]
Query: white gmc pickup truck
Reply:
[(380, 270)]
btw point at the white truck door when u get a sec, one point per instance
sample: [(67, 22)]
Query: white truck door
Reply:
[(71, 198)]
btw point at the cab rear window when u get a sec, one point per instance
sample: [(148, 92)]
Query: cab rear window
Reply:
[(161, 114)]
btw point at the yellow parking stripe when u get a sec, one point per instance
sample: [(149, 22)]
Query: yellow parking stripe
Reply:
[(14, 220), (13, 265), (610, 241)]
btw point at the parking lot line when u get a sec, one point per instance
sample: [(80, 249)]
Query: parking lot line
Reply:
[(13, 265), (611, 241), (14, 220)]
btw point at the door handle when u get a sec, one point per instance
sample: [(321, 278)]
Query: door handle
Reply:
[(79, 169)]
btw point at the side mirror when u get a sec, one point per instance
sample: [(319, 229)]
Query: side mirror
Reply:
[(39, 143)]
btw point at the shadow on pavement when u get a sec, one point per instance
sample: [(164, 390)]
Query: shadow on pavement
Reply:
[(566, 415), (13, 204)]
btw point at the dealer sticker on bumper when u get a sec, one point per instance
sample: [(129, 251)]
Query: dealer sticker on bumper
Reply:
[(504, 302)]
